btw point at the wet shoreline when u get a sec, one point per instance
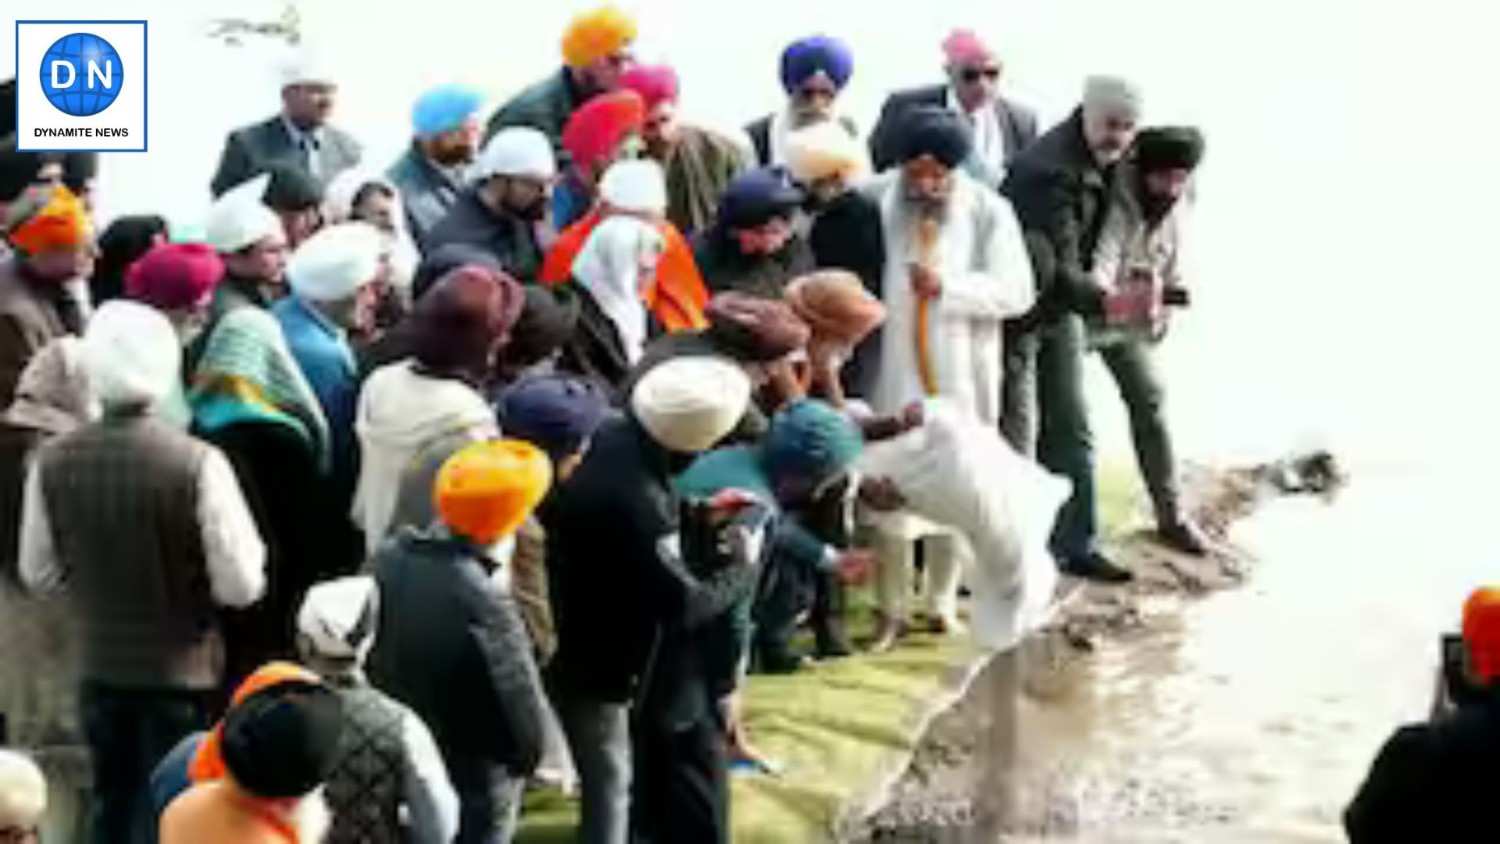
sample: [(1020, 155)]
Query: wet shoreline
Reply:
[(933, 802)]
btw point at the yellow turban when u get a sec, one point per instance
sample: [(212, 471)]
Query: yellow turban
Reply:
[(486, 490), (595, 34), (62, 222)]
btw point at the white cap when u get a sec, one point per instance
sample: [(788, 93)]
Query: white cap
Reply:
[(1111, 95), (131, 354), (338, 617), (23, 791), (516, 151), (240, 218), (637, 186), (336, 261), (688, 404), (307, 67)]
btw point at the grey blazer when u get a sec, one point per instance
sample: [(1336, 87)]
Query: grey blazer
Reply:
[(251, 149)]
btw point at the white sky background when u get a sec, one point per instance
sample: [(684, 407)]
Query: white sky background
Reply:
[(1347, 209)]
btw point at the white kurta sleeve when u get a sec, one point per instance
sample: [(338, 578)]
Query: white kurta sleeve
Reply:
[(40, 569), (1109, 251), (232, 547), (1000, 285), (429, 793)]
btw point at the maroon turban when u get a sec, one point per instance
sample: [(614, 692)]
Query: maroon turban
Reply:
[(755, 330), (460, 322)]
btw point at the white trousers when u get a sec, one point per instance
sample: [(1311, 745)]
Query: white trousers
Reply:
[(945, 555)]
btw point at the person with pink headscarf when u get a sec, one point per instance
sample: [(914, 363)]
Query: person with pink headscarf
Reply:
[(1001, 127), (698, 163)]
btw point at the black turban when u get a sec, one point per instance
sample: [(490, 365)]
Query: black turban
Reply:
[(756, 197), (938, 132), (1168, 148), (282, 742), (548, 319)]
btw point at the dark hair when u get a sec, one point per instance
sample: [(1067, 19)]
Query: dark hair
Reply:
[(292, 189), (123, 241), (368, 188)]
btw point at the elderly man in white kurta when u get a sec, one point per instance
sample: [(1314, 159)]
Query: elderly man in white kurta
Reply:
[(956, 268)]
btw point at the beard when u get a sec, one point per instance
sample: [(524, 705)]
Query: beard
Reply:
[(533, 212)]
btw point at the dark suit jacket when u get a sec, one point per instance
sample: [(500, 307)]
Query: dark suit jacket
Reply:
[(252, 149), (1017, 122)]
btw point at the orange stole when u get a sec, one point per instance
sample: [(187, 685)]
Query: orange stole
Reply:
[(676, 296)]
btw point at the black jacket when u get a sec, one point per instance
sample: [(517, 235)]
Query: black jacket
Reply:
[(595, 350), (1432, 782), (849, 235), (254, 149), (725, 267), (617, 592), (452, 646), (1058, 190), (510, 239), (1017, 122)]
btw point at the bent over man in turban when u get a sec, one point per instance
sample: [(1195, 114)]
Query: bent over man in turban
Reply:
[(956, 268)]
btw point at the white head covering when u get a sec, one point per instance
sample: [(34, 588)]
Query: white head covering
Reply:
[(23, 791), (305, 67), (516, 151), (608, 267), (131, 354), (823, 149), (336, 261), (240, 218), (688, 404), (338, 617), (637, 186), (338, 207), (1111, 95)]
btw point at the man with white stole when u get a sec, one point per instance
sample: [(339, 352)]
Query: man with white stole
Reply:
[(956, 268)]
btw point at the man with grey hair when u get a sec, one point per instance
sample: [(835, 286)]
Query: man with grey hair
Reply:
[(1060, 188)]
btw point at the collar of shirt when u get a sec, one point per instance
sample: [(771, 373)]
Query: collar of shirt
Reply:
[(316, 316), (303, 138)]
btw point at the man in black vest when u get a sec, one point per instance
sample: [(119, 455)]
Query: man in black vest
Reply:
[(299, 135), (146, 529), (1001, 127)]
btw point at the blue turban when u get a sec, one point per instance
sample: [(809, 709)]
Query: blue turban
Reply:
[(556, 413), (444, 109), (755, 197), (938, 132), (802, 59), (809, 439)]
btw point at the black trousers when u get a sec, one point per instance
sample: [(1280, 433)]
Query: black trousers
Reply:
[(681, 785), (128, 731)]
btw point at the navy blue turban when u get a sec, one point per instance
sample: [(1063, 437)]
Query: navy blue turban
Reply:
[(938, 132), (556, 413), (803, 59)]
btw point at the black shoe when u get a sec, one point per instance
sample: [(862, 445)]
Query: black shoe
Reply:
[(1097, 567), (780, 661), (1184, 537)]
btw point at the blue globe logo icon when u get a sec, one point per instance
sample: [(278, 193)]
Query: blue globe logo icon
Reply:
[(82, 74)]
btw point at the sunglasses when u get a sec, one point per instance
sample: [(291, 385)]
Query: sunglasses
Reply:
[(974, 74)]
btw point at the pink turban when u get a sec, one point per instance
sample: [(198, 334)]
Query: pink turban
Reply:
[(962, 46), (175, 276), (656, 83)]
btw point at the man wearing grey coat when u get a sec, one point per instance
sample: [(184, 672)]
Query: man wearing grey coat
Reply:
[(299, 135)]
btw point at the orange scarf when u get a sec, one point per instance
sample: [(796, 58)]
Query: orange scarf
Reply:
[(208, 763), (676, 296)]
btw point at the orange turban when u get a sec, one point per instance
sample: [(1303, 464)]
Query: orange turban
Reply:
[(595, 34), (600, 124), (208, 762), (1482, 632), (61, 223), (486, 490)]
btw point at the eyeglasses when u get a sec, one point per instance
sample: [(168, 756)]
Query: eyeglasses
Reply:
[(974, 74)]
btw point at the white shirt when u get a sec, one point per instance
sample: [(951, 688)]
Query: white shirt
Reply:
[(987, 162), (430, 799), (232, 548)]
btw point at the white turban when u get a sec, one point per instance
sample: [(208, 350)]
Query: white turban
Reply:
[(688, 404), (338, 617), (822, 150), (336, 261), (240, 218), (23, 791), (1111, 95), (307, 67), (516, 151), (635, 186), (131, 354)]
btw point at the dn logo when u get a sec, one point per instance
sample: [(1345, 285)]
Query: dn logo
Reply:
[(81, 74)]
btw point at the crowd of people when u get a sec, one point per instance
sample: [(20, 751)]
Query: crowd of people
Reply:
[(506, 463)]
